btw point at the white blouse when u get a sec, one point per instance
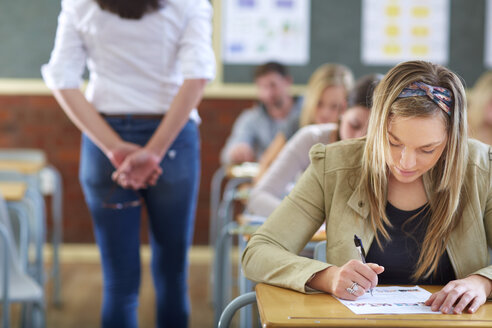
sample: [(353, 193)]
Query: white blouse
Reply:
[(136, 66)]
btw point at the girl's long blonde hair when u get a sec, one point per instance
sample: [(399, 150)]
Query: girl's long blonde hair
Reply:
[(325, 76), (446, 178), (479, 97)]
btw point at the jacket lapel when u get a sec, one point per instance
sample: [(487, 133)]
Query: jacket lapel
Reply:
[(359, 203)]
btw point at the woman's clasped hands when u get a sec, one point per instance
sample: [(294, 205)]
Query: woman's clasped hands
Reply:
[(136, 167)]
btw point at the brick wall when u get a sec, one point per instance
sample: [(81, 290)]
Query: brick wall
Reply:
[(38, 122)]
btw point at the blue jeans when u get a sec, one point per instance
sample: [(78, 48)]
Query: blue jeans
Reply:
[(171, 208)]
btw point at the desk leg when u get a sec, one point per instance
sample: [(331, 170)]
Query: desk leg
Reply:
[(57, 214), (222, 270), (35, 204), (245, 286), (217, 179), (20, 213), (225, 214)]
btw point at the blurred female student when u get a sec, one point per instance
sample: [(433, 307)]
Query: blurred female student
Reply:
[(293, 159), (324, 102), (416, 190), (480, 109), (149, 62)]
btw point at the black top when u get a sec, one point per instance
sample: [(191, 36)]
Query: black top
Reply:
[(401, 254)]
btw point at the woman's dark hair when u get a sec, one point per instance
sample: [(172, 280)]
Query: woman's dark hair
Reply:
[(131, 9), (361, 94)]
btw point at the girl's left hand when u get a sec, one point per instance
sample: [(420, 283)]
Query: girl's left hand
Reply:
[(471, 291)]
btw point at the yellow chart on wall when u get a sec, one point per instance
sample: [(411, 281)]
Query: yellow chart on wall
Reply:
[(398, 30)]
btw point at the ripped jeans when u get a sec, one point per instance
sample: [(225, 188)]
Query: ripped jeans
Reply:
[(171, 208)]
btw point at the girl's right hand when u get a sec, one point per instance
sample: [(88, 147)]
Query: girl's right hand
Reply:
[(338, 280)]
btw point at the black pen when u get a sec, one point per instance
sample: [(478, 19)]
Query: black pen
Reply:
[(362, 253)]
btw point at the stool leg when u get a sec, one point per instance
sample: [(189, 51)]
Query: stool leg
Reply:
[(57, 210)]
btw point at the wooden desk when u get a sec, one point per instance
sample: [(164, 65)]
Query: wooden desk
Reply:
[(13, 191), (244, 170), (281, 307), (24, 167)]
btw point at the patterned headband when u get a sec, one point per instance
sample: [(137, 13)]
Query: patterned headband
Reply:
[(441, 96)]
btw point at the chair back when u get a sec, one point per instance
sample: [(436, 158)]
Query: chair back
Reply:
[(5, 221), (11, 261), (320, 251)]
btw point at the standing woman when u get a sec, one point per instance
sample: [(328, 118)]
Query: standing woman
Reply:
[(149, 61), (415, 190)]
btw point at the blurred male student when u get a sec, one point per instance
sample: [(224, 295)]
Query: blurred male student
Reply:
[(277, 111)]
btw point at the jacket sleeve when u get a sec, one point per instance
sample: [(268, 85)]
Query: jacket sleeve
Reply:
[(271, 254), (487, 222)]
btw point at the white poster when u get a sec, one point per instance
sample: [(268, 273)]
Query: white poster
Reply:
[(256, 31), (488, 34), (398, 30)]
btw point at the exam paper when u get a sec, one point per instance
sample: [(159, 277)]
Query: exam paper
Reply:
[(391, 300)]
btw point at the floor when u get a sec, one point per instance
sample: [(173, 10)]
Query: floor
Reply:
[(81, 290)]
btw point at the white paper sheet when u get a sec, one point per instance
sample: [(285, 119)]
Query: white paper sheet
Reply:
[(391, 300)]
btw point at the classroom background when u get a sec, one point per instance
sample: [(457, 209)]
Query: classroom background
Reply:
[(31, 118)]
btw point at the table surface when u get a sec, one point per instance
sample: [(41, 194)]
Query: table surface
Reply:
[(280, 307), (244, 170), (25, 167), (13, 191)]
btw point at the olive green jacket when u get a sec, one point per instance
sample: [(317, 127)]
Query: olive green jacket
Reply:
[(327, 192)]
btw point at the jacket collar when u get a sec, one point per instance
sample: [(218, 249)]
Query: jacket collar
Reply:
[(359, 202)]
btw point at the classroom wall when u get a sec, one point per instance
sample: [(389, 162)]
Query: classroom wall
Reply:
[(38, 122)]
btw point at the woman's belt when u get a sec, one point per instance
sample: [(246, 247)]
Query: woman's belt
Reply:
[(135, 116)]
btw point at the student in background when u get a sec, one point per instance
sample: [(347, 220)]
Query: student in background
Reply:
[(149, 62), (294, 157), (324, 102), (480, 109), (416, 190), (256, 127)]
